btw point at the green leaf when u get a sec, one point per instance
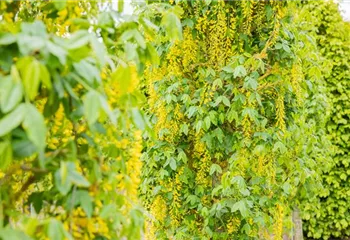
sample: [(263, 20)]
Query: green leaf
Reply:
[(7, 38), (228, 69), (241, 207), (11, 234), (138, 119), (36, 199), (207, 122), (184, 128), (60, 4), (57, 51), (62, 185), (232, 115), (139, 39), (12, 120), (153, 55), (172, 26), (226, 101), (5, 154), (55, 230), (78, 179), (215, 168), (87, 71), (172, 164), (123, 77), (23, 148), (34, 125), (107, 109), (120, 6), (92, 106), (108, 211), (79, 39), (11, 93), (250, 82), (280, 146), (199, 126), (29, 68), (45, 76), (99, 49), (240, 71), (85, 201)]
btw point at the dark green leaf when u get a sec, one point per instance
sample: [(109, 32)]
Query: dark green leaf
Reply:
[(12, 120)]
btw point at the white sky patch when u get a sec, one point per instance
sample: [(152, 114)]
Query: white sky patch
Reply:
[(345, 8), (128, 8)]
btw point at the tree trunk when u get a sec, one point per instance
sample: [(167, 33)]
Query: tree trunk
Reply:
[(297, 230)]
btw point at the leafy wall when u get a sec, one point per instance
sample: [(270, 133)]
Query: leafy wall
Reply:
[(329, 214), (234, 140)]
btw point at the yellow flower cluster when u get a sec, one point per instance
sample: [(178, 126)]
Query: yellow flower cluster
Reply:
[(189, 49), (217, 36), (247, 9), (280, 111), (174, 59), (233, 225), (297, 78), (247, 122), (182, 54), (84, 228), (242, 162), (158, 211), (134, 165), (175, 215), (278, 227), (201, 153), (60, 129)]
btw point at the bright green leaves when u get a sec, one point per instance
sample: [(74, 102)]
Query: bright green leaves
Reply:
[(34, 125), (99, 50), (241, 206), (85, 201), (60, 4), (224, 100), (88, 72), (58, 51), (11, 92), (67, 176), (251, 81), (5, 154), (56, 231), (136, 35), (172, 25), (45, 77), (7, 39), (12, 234), (32, 39), (29, 69), (78, 39), (215, 169), (122, 76), (238, 71), (12, 120), (92, 106)]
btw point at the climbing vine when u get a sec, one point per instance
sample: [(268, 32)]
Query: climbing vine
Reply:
[(71, 128), (232, 146)]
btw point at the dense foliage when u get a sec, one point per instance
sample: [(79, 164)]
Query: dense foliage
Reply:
[(238, 123), (187, 120), (329, 214), (70, 128)]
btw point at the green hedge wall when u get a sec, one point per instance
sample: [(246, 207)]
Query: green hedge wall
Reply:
[(329, 215)]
